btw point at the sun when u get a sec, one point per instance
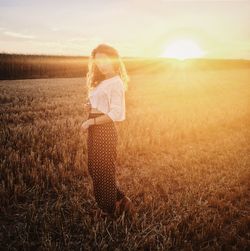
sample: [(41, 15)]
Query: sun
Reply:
[(183, 49)]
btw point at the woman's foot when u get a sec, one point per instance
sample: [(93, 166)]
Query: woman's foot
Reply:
[(101, 213), (125, 205)]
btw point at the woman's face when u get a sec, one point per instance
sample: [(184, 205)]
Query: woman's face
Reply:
[(104, 63)]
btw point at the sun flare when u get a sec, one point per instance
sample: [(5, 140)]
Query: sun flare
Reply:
[(183, 49)]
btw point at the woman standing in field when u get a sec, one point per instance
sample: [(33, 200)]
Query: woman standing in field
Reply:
[(107, 82)]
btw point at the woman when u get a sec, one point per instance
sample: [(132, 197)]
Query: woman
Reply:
[(107, 83)]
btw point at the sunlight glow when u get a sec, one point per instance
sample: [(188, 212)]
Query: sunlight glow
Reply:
[(183, 49)]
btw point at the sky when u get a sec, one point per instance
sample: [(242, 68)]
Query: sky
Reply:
[(136, 28)]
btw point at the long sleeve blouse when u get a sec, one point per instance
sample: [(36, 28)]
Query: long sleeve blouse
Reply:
[(109, 98)]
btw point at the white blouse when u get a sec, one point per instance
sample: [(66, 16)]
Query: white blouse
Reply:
[(109, 98)]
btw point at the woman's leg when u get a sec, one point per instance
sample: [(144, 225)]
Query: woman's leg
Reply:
[(120, 194), (102, 166)]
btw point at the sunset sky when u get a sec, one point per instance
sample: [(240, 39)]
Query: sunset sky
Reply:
[(157, 28)]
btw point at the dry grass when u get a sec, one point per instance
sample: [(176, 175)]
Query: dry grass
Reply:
[(183, 159)]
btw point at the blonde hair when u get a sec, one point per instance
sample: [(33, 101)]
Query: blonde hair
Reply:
[(94, 76)]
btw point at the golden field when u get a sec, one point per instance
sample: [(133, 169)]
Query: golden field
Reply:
[(183, 158)]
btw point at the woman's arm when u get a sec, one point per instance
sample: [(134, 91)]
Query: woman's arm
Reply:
[(117, 107)]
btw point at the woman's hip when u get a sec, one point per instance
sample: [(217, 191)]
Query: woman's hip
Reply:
[(104, 129)]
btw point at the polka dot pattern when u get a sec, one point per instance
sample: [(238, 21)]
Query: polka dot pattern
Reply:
[(102, 142)]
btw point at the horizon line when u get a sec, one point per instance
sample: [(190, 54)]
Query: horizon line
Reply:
[(133, 57)]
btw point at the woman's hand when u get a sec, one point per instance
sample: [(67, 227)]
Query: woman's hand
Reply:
[(85, 125), (87, 106)]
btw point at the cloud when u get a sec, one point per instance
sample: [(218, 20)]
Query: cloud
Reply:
[(18, 35), (198, 1), (85, 39), (78, 39)]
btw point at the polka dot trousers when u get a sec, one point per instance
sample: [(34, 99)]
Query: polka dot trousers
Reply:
[(102, 142)]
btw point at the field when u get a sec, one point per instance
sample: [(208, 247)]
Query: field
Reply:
[(183, 158)]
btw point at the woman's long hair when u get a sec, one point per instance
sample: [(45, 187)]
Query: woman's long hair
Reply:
[(94, 76)]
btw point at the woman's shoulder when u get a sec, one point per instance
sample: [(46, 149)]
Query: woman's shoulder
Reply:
[(114, 79), (115, 82)]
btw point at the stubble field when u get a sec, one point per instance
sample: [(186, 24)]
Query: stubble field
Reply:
[(183, 158)]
